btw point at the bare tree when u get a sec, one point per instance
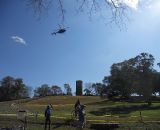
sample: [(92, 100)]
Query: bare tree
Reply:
[(68, 89), (117, 8)]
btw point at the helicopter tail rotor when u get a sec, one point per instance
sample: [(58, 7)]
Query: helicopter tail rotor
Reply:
[(54, 33)]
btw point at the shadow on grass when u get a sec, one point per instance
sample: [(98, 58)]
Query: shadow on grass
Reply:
[(118, 99), (56, 125), (123, 109), (104, 102)]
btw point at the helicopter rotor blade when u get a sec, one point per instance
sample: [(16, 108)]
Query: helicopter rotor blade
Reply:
[(59, 26), (65, 27)]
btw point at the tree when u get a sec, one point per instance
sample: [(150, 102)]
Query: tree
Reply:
[(56, 90), (135, 75), (43, 90), (7, 85), (68, 89), (13, 89), (21, 90), (156, 83), (121, 78), (87, 92), (89, 89), (117, 8), (98, 88), (144, 71)]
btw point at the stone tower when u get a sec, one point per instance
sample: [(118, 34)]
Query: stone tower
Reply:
[(79, 88)]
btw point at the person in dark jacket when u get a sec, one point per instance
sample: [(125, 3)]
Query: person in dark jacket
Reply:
[(48, 116), (77, 104), (77, 107), (82, 116)]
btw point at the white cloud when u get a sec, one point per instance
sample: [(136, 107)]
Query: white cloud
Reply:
[(130, 3), (18, 40)]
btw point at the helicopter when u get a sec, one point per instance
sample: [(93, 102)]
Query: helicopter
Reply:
[(60, 30)]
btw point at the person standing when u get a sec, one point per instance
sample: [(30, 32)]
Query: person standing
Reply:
[(77, 107), (48, 116), (82, 116), (77, 104)]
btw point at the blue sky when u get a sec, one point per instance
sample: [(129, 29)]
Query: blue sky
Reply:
[(86, 51)]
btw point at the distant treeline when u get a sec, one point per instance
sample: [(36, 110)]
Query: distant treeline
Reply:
[(135, 76), (46, 90), (14, 88)]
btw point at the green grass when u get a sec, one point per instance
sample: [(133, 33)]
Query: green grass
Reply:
[(97, 110)]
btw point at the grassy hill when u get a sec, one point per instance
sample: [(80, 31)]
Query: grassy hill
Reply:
[(97, 110), (62, 100)]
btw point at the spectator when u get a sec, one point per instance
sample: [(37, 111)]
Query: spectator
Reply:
[(48, 116)]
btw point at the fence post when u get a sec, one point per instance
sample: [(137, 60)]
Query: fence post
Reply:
[(140, 113)]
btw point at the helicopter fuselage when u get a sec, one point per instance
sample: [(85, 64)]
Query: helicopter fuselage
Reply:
[(59, 31)]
